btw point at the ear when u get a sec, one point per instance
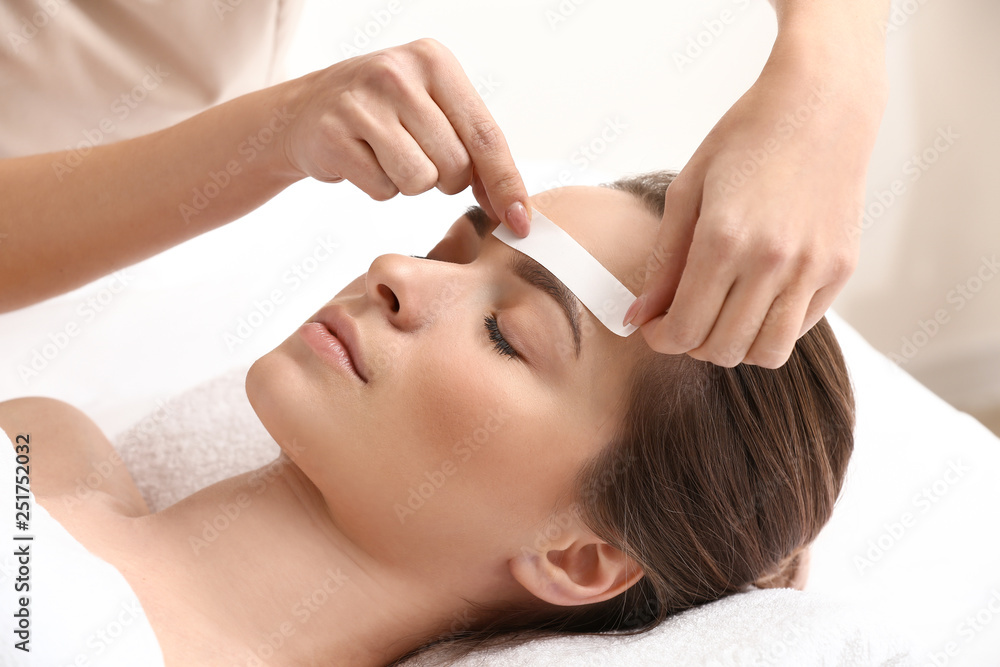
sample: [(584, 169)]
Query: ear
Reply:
[(460, 244), (582, 569)]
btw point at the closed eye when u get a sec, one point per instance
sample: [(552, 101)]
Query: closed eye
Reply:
[(500, 343)]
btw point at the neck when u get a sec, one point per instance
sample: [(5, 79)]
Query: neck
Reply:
[(265, 566)]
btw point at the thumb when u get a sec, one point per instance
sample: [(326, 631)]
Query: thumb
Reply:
[(667, 260)]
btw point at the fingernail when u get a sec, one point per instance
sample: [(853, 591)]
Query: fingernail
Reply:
[(633, 310), (517, 218)]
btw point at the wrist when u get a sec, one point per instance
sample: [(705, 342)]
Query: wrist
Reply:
[(856, 21), (843, 35), (280, 112), (842, 55)]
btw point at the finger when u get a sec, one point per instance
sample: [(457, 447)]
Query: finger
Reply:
[(479, 192), (436, 137), (485, 143), (701, 293), (739, 323), (358, 159), (780, 329), (665, 263), (839, 272), (401, 158), (818, 305)]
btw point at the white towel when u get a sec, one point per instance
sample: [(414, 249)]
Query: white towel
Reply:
[(211, 432), (196, 439), (773, 628)]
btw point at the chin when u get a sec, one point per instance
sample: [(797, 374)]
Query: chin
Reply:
[(274, 387)]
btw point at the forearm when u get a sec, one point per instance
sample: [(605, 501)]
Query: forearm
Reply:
[(847, 32), (837, 48), (70, 218)]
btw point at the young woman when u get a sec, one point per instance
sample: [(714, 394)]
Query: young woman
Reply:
[(580, 481)]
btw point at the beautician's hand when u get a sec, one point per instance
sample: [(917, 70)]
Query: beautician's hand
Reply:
[(401, 120), (404, 120), (761, 227)]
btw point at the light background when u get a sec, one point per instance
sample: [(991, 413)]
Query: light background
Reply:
[(565, 68)]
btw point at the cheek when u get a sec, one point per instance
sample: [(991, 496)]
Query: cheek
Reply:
[(444, 404), (490, 451)]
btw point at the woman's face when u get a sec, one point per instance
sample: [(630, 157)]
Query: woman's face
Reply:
[(475, 411)]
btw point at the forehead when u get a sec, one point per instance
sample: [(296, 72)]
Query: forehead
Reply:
[(611, 225), (619, 232)]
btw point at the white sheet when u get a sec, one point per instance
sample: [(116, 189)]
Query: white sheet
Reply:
[(73, 608), (167, 331)]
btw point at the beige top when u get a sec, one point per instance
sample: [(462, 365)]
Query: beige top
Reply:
[(73, 74)]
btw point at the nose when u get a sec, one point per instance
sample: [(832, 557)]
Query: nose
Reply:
[(412, 293)]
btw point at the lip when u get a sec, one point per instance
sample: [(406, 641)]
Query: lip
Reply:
[(333, 334)]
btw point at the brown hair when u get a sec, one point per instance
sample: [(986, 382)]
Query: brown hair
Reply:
[(718, 479)]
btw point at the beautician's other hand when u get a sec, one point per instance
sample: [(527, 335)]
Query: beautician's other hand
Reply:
[(761, 227), (404, 120)]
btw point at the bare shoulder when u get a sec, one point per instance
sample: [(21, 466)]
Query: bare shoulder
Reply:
[(69, 454)]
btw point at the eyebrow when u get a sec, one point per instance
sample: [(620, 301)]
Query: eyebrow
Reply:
[(480, 220), (536, 275), (533, 273)]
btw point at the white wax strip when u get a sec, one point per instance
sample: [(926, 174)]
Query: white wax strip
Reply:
[(595, 286)]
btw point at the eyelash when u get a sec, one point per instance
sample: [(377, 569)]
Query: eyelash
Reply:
[(500, 343)]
